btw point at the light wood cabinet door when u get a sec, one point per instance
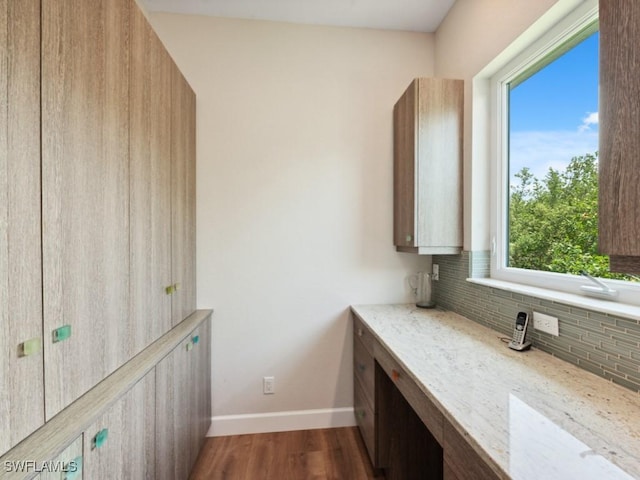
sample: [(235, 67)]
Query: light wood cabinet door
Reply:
[(85, 193), (201, 387), (150, 184), (121, 443), (428, 130), (183, 404), (174, 403), (183, 197), (21, 376), (619, 164), (67, 465)]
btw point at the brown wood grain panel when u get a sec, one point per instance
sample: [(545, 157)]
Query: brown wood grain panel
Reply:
[(150, 184), (183, 170), (463, 462), (365, 419), (419, 401), (21, 377), (85, 193), (624, 264), (406, 448), (404, 167), (129, 451), (364, 369), (619, 164), (364, 335)]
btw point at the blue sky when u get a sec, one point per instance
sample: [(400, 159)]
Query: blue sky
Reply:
[(554, 113)]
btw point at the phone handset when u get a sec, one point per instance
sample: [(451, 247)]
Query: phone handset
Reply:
[(520, 332)]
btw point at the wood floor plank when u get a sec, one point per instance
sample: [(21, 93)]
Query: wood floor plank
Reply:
[(322, 454)]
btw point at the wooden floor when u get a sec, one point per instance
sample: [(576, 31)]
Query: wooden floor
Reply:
[(333, 453)]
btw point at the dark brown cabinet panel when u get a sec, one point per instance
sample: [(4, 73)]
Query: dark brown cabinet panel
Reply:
[(407, 450), (619, 164), (461, 461)]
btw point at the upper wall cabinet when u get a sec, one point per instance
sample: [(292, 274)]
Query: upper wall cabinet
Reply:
[(619, 194), (428, 167), (85, 194), (21, 367)]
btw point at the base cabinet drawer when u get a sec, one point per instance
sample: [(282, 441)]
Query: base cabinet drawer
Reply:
[(366, 420)]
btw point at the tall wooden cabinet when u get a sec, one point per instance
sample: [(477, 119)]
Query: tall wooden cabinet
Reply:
[(21, 367), (150, 183), (183, 190), (619, 165), (85, 194), (427, 167), (97, 215)]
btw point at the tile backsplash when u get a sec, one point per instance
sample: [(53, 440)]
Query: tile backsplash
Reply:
[(603, 344)]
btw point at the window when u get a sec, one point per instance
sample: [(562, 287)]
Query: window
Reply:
[(546, 154)]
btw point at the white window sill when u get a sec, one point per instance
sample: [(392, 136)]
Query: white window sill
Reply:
[(603, 306)]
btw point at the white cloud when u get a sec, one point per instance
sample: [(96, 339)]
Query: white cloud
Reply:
[(590, 119), (542, 150)]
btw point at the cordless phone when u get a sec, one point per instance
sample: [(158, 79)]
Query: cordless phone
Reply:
[(520, 332)]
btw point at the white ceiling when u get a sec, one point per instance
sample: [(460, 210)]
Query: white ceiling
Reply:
[(411, 15)]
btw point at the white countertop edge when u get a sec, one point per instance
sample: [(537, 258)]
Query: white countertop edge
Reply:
[(613, 308)]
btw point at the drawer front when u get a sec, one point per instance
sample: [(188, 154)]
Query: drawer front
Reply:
[(365, 418), (364, 368), (426, 410), (361, 332)]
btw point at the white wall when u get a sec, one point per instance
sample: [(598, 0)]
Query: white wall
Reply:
[(294, 183), (471, 36)]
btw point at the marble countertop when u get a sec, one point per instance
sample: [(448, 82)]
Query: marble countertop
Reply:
[(531, 414)]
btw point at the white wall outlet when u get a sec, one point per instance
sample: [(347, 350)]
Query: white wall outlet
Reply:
[(268, 385), (546, 323), (435, 272)]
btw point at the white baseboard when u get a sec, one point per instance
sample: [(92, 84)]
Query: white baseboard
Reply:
[(281, 421)]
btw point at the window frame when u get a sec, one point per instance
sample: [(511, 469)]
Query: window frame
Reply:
[(563, 31)]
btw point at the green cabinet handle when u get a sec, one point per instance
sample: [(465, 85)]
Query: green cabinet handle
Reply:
[(62, 333), (100, 438), (170, 289), (31, 346), (195, 339), (73, 469), (189, 346), (409, 238), (361, 414), (176, 287)]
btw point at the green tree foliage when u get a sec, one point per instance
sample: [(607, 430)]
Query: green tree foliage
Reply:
[(553, 222)]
